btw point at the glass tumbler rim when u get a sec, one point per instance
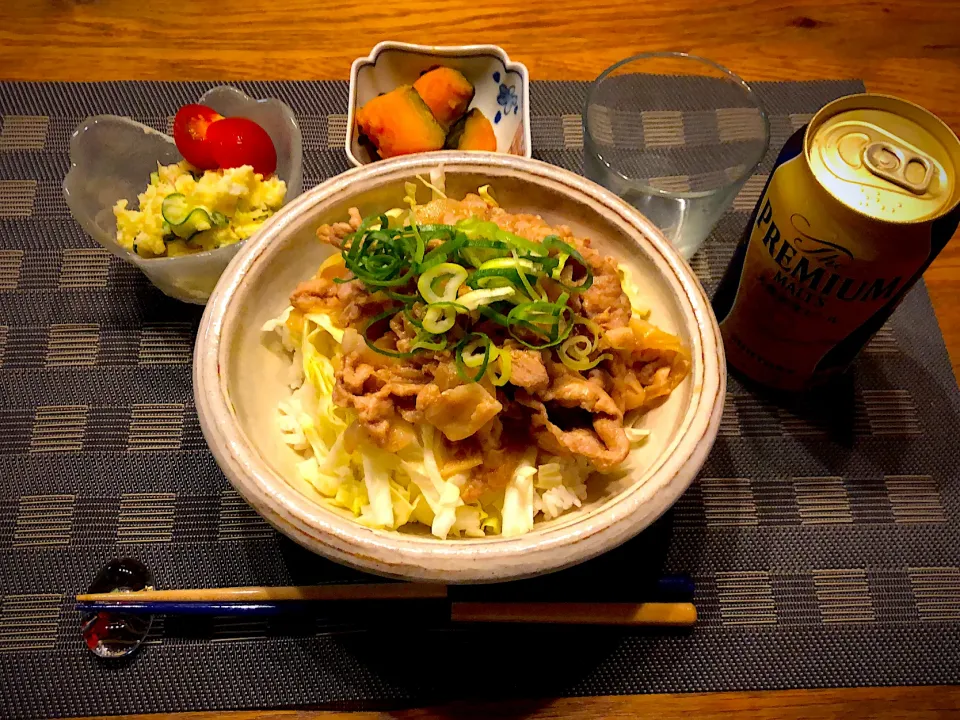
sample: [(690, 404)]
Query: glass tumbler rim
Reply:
[(677, 54)]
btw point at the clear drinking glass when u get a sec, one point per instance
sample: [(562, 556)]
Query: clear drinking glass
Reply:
[(676, 136)]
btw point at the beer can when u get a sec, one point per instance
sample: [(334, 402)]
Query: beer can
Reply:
[(860, 202)]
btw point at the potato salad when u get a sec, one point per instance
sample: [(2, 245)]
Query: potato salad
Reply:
[(185, 210)]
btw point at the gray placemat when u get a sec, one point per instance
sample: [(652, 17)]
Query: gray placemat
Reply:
[(823, 539)]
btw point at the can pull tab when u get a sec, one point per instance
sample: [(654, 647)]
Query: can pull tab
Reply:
[(905, 168)]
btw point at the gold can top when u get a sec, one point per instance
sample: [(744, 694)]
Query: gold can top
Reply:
[(885, 158)]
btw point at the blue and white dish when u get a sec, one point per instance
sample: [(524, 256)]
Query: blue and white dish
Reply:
[(502, 88)]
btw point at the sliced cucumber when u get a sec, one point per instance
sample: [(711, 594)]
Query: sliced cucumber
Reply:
[(175, 209), (185, 220), (197, 221)]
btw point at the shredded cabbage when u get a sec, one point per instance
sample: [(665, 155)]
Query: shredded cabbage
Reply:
[(437, 184), (410, 194), (630, 289), (279, 326), (486, 194), (379, 513), (326, 322), (469, 519), (518, 510), (443, 496), (549, 475), (288, 422), (387, 491), (282, 330), (351, 495)]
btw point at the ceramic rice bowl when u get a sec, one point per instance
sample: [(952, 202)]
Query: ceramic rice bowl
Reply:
[(238, 381)]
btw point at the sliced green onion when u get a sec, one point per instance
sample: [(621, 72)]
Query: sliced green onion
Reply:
[(476, 229), (421, 246), (574, 353), (412, 318), (539, 317), (400, 297), (441, 316), (469, 353), (443, 251), (455, 275), (378, 257), (477, 252), (547, 263), (370, 343), (494, 277), (492, 314), (523, 277), (485, 359), (592, 327), (368, 222), (509, 263), (388, 256), (435, 230), (475, 298), (427, 341), (561, 263), (501, 272), (503, 355), (532, 316), (553, 242), (392, 217)]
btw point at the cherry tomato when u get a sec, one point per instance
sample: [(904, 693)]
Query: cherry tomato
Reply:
[(237, 141), (190, 128)]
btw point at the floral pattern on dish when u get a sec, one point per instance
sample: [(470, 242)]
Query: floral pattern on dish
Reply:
[(507, 99)]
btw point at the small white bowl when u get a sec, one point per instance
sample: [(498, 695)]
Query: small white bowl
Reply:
[(502, 88), (238, 381), (111, 157)]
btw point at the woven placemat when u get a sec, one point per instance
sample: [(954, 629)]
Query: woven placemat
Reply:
[(825, 552)]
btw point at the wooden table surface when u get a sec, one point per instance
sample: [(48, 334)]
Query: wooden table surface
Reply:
[(909, 48)]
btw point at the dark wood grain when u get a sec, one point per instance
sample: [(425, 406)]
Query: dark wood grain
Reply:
[(909, 48)]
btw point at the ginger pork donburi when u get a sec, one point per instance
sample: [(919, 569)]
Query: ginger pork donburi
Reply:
[(466, 368)]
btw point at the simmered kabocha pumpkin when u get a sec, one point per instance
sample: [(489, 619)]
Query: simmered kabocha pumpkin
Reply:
[(399, 123), (472, 132), (446, 92)]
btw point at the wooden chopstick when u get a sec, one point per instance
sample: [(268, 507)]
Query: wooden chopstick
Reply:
[(663, 614), (361, 591), (648, 614)]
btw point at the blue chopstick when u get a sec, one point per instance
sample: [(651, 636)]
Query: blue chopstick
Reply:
[(203, 607), (676, 586)]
